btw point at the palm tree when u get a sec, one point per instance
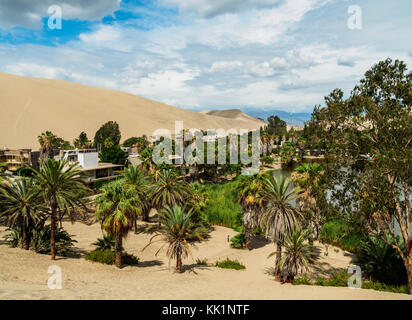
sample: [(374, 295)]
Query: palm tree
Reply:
[(250, 190), (307, 177), (299, 254), (22, 207), (279, 217), (135, 177), (61, 184), (117, 206), (169, 190), (47, 143), (175, 231)]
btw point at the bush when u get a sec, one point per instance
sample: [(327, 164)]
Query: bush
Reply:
[(303, 280), (222, 208), (238, 241), (40, 241), (202, 262), (100, 183), (340, 279), (109, 257), (107, 243), (340, 233), (268, 160), (230, 264), (381, 262)]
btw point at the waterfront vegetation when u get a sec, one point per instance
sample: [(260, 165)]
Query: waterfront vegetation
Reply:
[(357, 199)]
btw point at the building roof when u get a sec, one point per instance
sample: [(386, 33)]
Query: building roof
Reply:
[(102, 165)]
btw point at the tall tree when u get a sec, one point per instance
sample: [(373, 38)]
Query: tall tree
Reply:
[(249, 189), (370, 136), (135, 177), (117, 207), (175, 231), (60, 185), (276, 126), (169, 190), (109, 130), (82, 142), (308, 177), (280, 217)]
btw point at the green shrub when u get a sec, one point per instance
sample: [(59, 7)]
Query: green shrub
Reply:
[(100, 183), (267, 160), (384, 287), (202, 262), (340, 279), (230, 264), (381, 262), (238, 241), (102, 256), (341, 234), (107, 243), (303, 280), (222, 208), (40, 240), (109, 257)]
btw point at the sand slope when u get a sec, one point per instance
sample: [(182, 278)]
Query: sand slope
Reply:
[(30, 106), (24, 273)]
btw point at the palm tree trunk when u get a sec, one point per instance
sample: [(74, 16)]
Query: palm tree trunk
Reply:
[(118, 250), (25, 240), (179, 264), (277, 262), (52, 233), (135, 226)]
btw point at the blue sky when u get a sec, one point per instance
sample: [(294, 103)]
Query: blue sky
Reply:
[(206, 54)]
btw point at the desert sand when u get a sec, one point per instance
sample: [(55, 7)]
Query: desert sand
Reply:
[(30, 106), (23, 274)]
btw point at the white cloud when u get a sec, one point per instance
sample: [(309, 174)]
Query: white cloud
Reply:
[(211, 8), (29, 13)]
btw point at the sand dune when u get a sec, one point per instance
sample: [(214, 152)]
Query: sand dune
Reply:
[(30, 106), (234, 114), (24, 273)]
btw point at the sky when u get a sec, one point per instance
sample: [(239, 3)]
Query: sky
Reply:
[(207, 54)]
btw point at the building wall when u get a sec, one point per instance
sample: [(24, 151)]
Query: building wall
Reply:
[(88, 160)]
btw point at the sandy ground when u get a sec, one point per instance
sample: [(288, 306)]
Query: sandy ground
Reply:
[(24, 274), (30, 106)]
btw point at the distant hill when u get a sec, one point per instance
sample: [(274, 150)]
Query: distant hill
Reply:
[(30, 106), (235, 114), (295, 119)]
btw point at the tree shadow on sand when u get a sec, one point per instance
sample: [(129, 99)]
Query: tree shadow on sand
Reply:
[(259, 241)]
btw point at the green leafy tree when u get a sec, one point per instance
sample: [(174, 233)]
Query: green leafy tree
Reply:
[(308, 177), (113, 154), (82, 142), (109, 130), (276, 126), (369, 135)]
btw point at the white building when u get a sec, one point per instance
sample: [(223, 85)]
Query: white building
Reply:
[(88, 161)]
